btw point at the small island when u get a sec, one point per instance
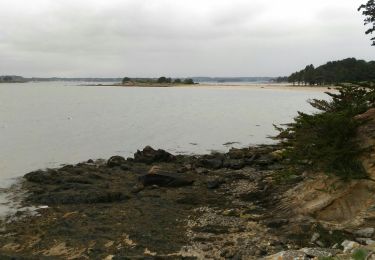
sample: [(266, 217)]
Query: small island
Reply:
[(159, 82)]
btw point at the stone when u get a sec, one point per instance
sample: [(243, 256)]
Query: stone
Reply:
[(154, 169), (349, 246), (365, 232), (116, 161), (278, 154), (215, 183), (365, 241), (320, 252), (315, 237), (276, 223), (201, 170), (234, 164), (237, 153), (214, 163), (288, 255), (149, 155)]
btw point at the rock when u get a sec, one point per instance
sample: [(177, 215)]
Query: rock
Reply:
[(37, 176), (214, 163), (125, 167), (288, 255), (349, 246), (265, 160), (201, 170), (276, 223), (278, 154), (320, 243), (116, 161), (365, 232), (320, 252), (234, 164), (315, 237), (237, 153), (365, 241), (148, 155), (250, 161), (163, 180), (154, 169), (214, 184)]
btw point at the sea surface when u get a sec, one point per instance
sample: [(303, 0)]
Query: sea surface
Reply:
[(54, 123)]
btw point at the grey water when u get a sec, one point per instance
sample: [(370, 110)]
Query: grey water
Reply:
[(48, 124)]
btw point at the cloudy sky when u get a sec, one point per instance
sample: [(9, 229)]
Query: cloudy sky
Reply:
[(110, 38)]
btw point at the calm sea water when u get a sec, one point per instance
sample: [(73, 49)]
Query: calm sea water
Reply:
[(49, 124)]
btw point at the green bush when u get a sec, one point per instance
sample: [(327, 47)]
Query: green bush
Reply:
[(325, 141)]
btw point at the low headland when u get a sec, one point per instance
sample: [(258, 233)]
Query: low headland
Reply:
[(311, 196)]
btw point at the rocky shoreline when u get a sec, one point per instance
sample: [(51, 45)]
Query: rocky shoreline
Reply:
[(160, 206)]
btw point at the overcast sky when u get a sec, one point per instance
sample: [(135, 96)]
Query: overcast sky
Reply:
[(110, 38)]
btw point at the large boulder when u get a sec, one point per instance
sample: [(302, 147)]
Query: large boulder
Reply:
[(149, 155)]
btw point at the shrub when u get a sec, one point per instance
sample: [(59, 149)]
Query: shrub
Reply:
[(324, 141)]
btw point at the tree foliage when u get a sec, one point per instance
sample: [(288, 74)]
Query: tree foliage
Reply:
[(126, 80), (325, 141), (368, 10), (335, 72)]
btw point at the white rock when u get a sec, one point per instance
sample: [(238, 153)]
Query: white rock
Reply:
[(287, 255), (349, 246)]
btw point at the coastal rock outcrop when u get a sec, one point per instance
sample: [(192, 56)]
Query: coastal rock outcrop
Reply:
[(149, 155)]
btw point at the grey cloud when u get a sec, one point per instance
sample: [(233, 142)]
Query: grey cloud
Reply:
[(176, 37)]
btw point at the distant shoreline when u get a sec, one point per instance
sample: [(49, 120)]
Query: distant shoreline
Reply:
[(268, 86)]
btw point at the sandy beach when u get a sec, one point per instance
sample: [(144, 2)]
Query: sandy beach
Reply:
[(269, 86)]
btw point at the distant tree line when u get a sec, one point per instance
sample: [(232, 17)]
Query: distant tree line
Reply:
[(161, 80), (335, 72), (12, 79)]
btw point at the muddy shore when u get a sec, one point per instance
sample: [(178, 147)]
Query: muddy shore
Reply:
[(160, 206)]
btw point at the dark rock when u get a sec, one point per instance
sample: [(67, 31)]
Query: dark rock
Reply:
[(116, 161), (43, 177), (250, 161), (237, 153), (276, 223), (214, 163), (265, 160), (125, 167), (200, 170), (252, 196), (214, 184), (163, 180), (149, 155), (234, 164)]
